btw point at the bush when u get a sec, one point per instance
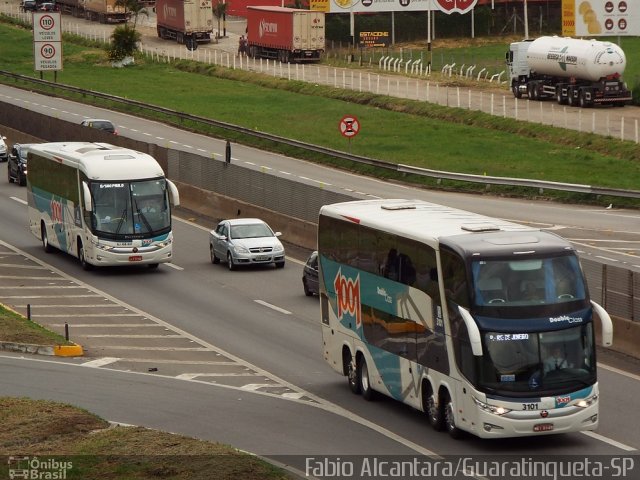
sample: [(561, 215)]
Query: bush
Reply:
[(124, 40)]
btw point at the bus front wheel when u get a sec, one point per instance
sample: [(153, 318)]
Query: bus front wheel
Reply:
[(83, 260), (433, 408), (363, 380), (450, 417)]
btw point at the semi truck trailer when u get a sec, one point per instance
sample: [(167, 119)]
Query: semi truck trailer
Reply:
[(105, 11), (186, 21), (575, 72), (285, 34)]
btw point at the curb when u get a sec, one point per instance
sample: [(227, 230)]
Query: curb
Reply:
[(50, 350)]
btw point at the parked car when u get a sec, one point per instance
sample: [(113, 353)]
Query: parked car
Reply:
[(29, 6), (245, 241), (17, 166), (48, 7), (310, 275), (4, 152), (100, 124)]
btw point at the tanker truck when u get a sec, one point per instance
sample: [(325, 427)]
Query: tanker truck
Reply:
[(574, 72), (285, 34)]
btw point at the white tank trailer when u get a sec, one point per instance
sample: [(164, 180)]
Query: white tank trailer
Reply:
[(575, 72)]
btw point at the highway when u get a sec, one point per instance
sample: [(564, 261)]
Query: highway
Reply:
[(278, 337), (260, 320)]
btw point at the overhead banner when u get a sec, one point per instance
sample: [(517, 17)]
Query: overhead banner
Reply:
[(594, 18), (369, 6)]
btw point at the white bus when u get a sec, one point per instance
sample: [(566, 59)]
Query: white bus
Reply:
[(483, 324), (104, 204)]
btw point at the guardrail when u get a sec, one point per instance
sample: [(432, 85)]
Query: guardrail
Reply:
[(400, 168)]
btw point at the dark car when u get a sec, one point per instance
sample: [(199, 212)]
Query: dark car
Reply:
[(310, 275), (29, 6), (100, 124), (17, 166)]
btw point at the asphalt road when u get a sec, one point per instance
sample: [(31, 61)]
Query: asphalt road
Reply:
[(278, 338)]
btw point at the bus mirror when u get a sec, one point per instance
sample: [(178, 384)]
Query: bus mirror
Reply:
[(86, 193), (472, 329), (173, 192), (607, 324)]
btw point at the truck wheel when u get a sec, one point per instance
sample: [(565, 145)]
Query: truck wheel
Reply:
[(516, 91), (559, 98), (180, 38), (582, 100)]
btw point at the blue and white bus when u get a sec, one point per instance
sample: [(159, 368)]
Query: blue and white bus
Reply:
[(483, 324), (104, 204)]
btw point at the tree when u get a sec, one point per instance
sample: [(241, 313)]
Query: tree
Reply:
[(220, 11), (124, 40), (133, 8)]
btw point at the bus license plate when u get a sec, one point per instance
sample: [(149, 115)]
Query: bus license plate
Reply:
[(543, 427), (135, 258)]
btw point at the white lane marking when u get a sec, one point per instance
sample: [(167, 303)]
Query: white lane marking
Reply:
[(32, 267), (252, 387), (100, 362), (19, 200), (159, 138), (131, 336), (174, 266), (618, 371), (187, 146), (273, 307), (107, 325), (191, 376), (611, 442), (296, 395), (147, 134)]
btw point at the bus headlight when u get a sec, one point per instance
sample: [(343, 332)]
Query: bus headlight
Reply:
[(104, 248), (166, 243), (586, 402), (491, 408)]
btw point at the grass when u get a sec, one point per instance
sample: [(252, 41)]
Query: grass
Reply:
[(393, 130), (16, 328), (97, 450)]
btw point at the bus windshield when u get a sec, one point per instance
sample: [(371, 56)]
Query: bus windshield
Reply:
[(556, 361), (128, 210), (527, 282)]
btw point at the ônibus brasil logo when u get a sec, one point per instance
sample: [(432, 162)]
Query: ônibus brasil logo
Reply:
[(348, 295)]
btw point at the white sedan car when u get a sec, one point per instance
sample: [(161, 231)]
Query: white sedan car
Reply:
[(245, 241)]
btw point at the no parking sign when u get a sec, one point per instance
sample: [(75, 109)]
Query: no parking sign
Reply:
[(349, 126)]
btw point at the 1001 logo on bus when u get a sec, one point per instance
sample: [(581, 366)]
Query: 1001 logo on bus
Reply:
[(348, 295), (56, 211)]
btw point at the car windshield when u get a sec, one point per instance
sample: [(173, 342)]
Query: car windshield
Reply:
[(253, 230)]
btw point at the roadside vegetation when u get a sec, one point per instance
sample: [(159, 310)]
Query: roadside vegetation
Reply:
[(394, 130), (17, 329), (97, 449)]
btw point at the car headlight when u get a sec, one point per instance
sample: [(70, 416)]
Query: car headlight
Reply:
[(491, 408), (240, 249), (278, 249)]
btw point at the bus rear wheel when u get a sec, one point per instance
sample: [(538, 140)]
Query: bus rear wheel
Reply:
[(363, 380), (352, 372), (45, 240)]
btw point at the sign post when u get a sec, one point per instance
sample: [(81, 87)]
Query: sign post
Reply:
[(349, 127), (47, 41)]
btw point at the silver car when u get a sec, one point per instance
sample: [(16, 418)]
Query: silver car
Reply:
[(4, 153), (245, 241)]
